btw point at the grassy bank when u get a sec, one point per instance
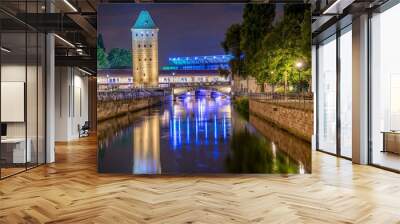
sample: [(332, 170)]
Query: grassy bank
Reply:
[(241, 104)]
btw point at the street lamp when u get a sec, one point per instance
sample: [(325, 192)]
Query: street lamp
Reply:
[(299, 65)]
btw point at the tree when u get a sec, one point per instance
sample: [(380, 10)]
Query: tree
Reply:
[(102, 61), (269, 49), (100, 42), (257, 22), (287, 44), (120, 58), (223, 72), (231, 45)]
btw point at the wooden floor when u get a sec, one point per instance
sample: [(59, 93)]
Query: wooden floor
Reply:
[(71, 191)]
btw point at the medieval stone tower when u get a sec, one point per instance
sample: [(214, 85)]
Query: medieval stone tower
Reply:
[(145, 51)]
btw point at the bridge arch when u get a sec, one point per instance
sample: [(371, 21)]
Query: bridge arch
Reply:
[(226, 90)]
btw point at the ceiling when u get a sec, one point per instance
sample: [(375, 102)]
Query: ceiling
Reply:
[(74, 22)]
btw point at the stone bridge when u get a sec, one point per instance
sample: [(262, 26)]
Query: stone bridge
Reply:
[(181, 88)]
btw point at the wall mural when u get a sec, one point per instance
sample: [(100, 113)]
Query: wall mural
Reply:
[(175, 82)]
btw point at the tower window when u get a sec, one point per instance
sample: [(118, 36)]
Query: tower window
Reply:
[(138, 45), (151, 45), (140, 59), (136, 34), (145, 59), (144, 46), (149, 59), (152, 34)]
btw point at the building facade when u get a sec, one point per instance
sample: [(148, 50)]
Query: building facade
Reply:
[(145, 51)]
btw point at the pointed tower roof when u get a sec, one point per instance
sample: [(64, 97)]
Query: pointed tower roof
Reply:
[(144, 21)]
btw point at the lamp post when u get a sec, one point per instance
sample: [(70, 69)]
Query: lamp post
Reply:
[(299, 65)]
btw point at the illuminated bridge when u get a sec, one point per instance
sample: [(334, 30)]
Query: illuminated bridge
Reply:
[(182, 74), (199, 63), (185, 74)]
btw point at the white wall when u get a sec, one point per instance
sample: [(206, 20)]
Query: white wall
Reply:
[(71, 102), (17, 73), (12, 73), (33, 126)]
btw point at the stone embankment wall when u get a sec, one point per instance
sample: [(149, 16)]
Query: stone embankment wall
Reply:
[(110, 109), (296, 120), (294, 147)]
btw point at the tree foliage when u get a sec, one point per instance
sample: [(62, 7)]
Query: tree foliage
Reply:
[(116, 58), (100, 42), (286, 47), (119, 58), (231, 45), (257, 22), (102, 61), (270, 48), (223, 72)]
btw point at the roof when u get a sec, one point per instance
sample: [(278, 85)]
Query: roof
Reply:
[(114, 72), (144, 21), (196, 60), (188, 73)]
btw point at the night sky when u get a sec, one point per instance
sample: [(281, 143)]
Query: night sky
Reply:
[(185, 29)]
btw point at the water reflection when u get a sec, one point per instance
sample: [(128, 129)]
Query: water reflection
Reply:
[(191, 135), (284, 141), (201, 120), (252, 154), (146, 146)]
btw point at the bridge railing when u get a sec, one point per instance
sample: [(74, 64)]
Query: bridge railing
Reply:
[(132, 94), (297, 100), (193, 84)]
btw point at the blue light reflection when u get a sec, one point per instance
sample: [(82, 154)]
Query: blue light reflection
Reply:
[(206, 114)]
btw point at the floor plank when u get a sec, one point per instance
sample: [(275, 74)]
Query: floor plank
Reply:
[(71, 191)]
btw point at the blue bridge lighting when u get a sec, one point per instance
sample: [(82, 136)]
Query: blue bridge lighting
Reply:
[(211, 62)]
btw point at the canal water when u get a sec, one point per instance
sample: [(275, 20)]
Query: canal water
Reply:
[(197, 135)]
